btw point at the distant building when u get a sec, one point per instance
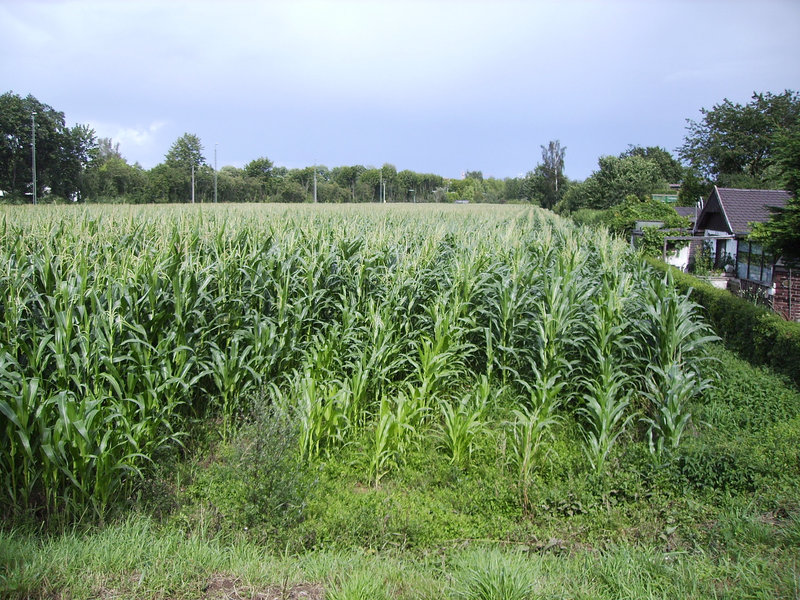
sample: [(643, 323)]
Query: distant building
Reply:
[(666, 198)]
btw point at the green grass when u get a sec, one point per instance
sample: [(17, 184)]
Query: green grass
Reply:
[(136, 559)]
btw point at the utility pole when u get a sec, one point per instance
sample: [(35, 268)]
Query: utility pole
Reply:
[(215, 173), (33, 152), (315, 184), (192, 183)]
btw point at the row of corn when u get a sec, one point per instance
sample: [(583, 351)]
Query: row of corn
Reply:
[(120, 326)]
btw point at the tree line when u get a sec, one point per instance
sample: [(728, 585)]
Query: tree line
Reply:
[(732, 145), (73, 164)]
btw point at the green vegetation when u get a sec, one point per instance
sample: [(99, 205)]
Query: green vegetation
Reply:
[(720, 523), (353, 402), (73, 165), (754, 332), (621, 219), (745, 145)]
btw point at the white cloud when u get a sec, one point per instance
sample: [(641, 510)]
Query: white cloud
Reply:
[(134, 141)]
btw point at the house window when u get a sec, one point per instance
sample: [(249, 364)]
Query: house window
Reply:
[(753, 264)]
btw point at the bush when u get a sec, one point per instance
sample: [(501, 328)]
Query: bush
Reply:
[(756, 333), (746, 398), (725, 466), (257, 482)]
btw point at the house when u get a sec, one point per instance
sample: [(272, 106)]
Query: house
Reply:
[(724, 222)]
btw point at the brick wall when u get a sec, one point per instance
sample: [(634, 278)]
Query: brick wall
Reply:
[(787, 289)]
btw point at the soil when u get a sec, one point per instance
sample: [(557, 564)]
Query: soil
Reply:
[(228, 588)]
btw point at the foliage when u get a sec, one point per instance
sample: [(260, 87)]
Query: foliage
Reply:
[(258, 482), (756, 333), (461, 424), (694, 188), (547, 181), (703, 264), (674, 373), (608, 388), (616, 179), (62, 152), (590, 217), (734, 145), (622, 218), (671, 170), (781, 234), (670, 392), (361, 585), (122, 326), (721, 520), (495, 576), (185, 152), (531, 429)]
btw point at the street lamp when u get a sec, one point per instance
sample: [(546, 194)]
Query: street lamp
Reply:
[(33, 152)]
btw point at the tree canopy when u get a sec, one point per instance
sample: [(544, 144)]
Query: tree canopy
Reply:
[(671, 169), (62, 153), (547, 182), (781, 234), (735, 145), (616, 178), (753, 145)]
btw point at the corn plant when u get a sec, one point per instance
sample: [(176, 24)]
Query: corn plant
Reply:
[(608, 386), (670, 392), (558, 333), (462, 423), (605, 404), (120, 325), (384, 450), (531, 430), (397, 428), (675, 337), (323, 411), (674, 334)]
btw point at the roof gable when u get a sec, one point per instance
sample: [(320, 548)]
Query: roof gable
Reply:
[(739, 208), (712, 215)]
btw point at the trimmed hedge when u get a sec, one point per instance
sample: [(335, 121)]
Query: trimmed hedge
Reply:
[(756, 333)]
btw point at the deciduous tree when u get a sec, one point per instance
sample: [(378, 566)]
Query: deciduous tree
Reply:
[(62, 153), (550, 174), (781, 234), (733, 144)]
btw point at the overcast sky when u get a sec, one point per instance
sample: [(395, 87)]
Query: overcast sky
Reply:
[(437, 86)]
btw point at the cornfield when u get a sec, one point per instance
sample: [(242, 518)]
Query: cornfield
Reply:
[(122, 325)]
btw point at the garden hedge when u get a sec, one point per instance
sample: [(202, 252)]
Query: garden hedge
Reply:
[(757, 334)]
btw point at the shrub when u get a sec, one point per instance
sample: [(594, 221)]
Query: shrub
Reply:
[(727, 466), (745, 398), (258, 480), (755, 333)]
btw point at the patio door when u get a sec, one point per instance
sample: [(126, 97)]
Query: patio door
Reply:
[(721, 253)]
